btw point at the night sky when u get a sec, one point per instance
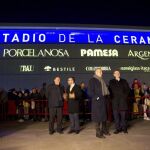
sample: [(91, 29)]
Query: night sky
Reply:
[(106, 12)]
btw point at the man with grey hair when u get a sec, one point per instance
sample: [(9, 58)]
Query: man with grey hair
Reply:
[(98, 90)]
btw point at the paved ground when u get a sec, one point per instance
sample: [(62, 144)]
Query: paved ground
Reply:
[(34, 136)]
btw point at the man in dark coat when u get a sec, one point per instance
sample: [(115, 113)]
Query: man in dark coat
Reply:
[(74, 95), (54, 95), (119, 90), (98, 90)]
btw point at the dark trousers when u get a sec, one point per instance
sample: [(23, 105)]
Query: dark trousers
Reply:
[(120, 119), (74, 120), (101, 127), (54, 113)]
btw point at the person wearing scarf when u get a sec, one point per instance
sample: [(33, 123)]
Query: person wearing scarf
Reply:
[(98, 90)]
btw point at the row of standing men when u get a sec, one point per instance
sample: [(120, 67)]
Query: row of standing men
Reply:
[(97, 89)]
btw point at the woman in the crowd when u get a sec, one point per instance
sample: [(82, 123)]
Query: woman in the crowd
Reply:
[(35, 106), (146, 101), (12, 103), (20, 107), (137, 82), (26, 104), (137, 96)]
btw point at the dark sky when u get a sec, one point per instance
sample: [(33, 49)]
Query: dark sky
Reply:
[(74, 12)]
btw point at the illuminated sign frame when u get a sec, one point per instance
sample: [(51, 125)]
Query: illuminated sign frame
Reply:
[(73, 35)]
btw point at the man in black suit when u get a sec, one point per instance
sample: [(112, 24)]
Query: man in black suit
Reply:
[(54, 94), (119, 90), (74, 95)]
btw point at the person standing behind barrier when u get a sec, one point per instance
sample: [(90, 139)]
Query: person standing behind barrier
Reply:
[(83, 103), (44, 105), (146, 101), (119, 90), (137, 96), (54, 95), (13, 103), (97, 91), (26, 104), (20, 107), (73, 95), (35, 107)]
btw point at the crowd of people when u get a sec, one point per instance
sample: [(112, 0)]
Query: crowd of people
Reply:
[(47, 102), (32, 104)]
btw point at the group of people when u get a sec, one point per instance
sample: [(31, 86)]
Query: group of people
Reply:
[(26, 104), (98, 91), (135, 101), (140, 99)]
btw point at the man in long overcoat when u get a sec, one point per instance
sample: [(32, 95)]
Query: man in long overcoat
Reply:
[(98, 90)]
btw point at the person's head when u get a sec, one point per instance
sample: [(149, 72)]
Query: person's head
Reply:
[(135, 81), (98, 72), (116, 74), (82, 85), (13, 91), (26, 92), (71, 80), (34, 90), (20, 94), (44, 85), (136, 86), (57, 80), (144, 86)]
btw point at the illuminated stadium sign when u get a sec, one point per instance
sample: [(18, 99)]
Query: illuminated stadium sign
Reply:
[(74, 36), (30, 55)]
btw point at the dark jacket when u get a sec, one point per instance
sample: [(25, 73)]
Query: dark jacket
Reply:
[(35, 96), (3, 96), (73, 104), (43, 93), (98, 101), (54, 94), (133, 97), (26, 97), (119, 93)]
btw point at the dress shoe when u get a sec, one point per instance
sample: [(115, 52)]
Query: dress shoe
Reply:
[(125, 131), (60, 132), (117, 131), (106, 133), (77, 132), (100, 136), (71, 131), (51, 132)]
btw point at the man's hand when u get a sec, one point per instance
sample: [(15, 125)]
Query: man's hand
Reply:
[(72, 96)]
